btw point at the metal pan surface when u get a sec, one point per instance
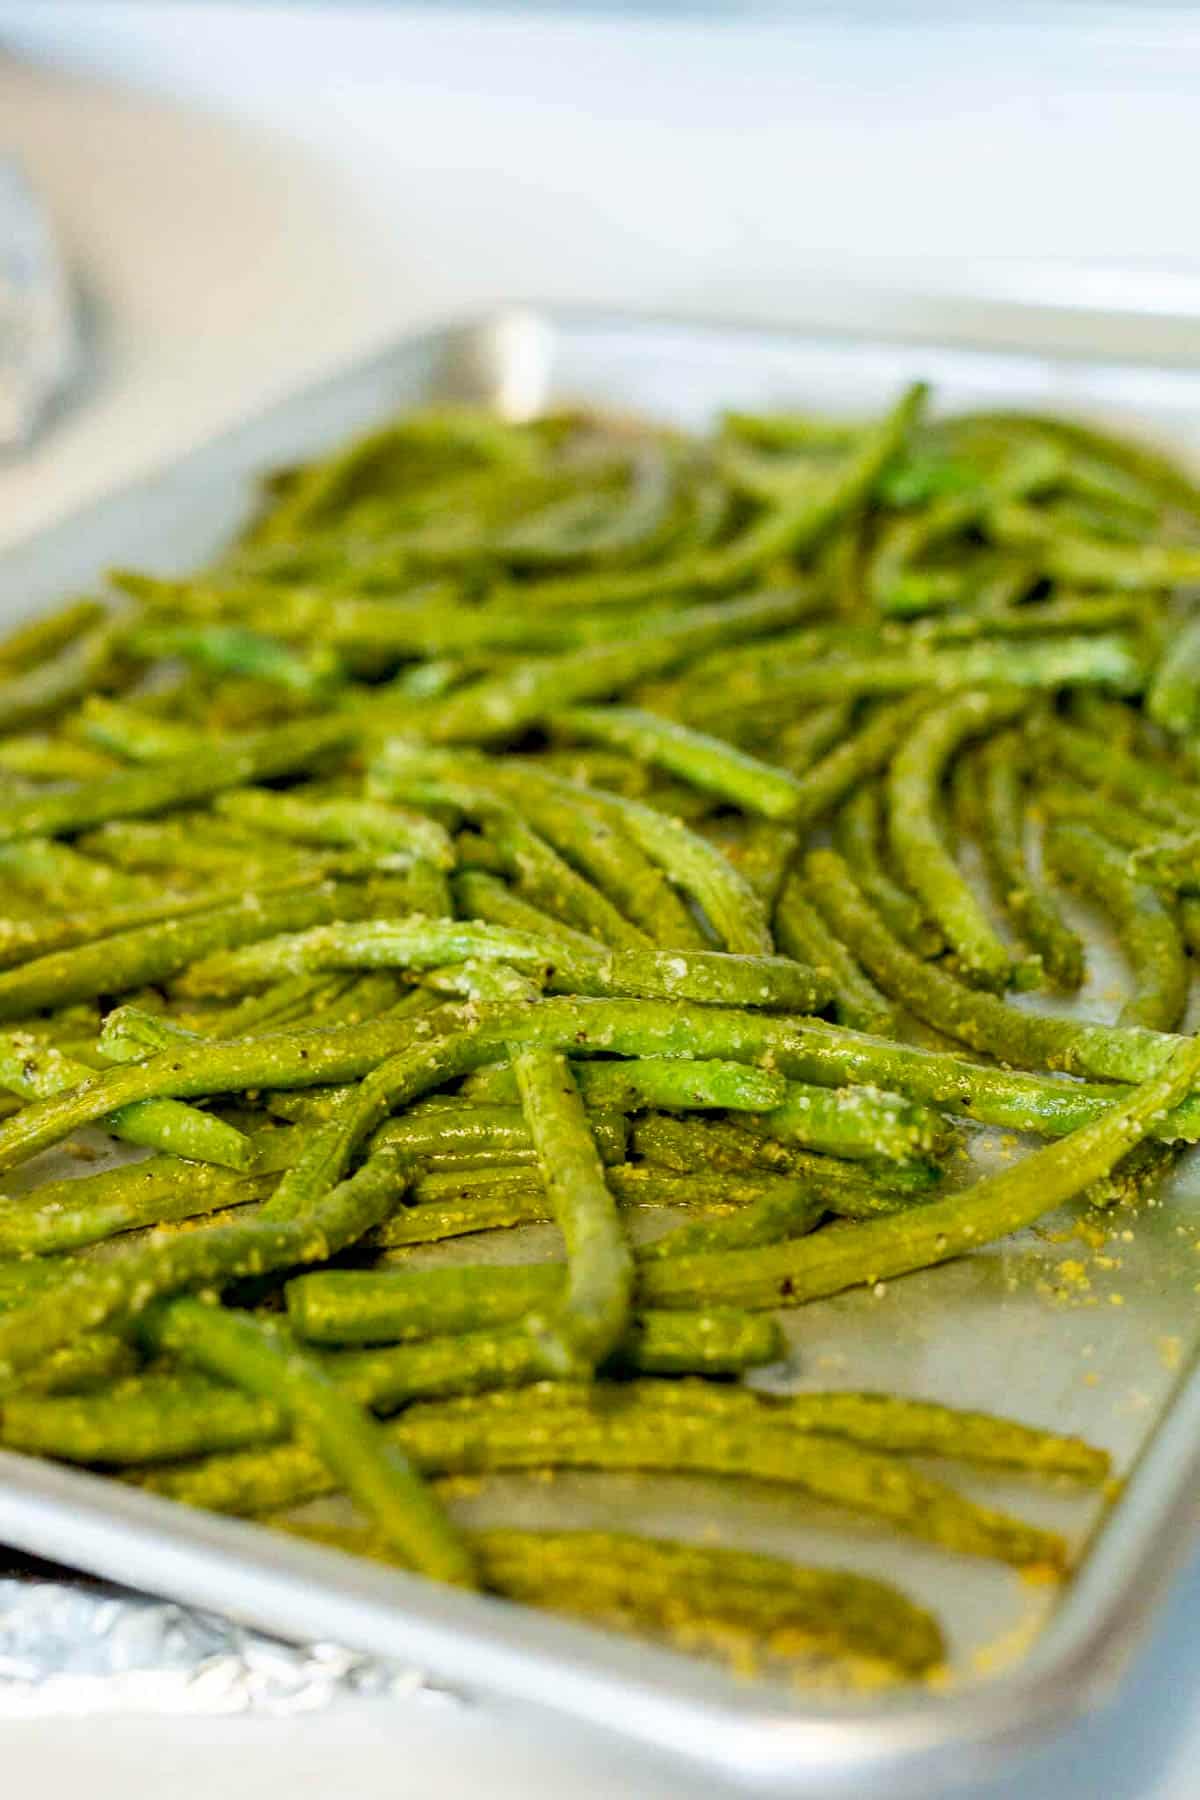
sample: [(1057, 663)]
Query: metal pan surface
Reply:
[(1093, 1337)]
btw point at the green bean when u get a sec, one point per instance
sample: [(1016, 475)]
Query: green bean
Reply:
[(855, 1122), (803, 934), (634, 1184), (1061, 800), (416, 943), (511, 1196), (805, 510), (843, 1185), (921, 1237), (484, 1134), (858, 831), (374, 1471), (612, 1433), (20, 1281), (160, 1416), (29, 694), (34, 1070), (738, 1604), (802, 1050), (1089, 561), (1174, 865), (567, 818), (801, 742), (1032, 664), (67, 1215), (714, 1341), (134, 734), (457, 1204), (739, 1599), (361, 824), (34, 640), (705, 762), (1114, 720), (788, 1209), (280, 1060), (650, 1081), (761, 850), (895, 586), (891, 1422), (52, 759), (482, 982), (788, 430), (594, 1311), (501, 706), (1134, 1176), (232, 649), (1109, 1052), (601, 847), (686, 858), (362, 630), (479, 895), (1146, 928), (125, 1284), (1026, 901), (190, 845), (1078, 613), (1149, 471), (1173, 697), (137, 792), (358, 1306), (836, 774), (92, 1362), (386, 1309), (365, 997), (927, 866), (1104, 768), (710, 977), (155, 952), (724, 896), (544, 878), (303, 997), (67, 879)]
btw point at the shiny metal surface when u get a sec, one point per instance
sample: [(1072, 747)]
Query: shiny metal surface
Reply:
[(1094, 1333)]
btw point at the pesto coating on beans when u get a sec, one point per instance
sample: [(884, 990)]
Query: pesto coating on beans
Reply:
[(540, 908)]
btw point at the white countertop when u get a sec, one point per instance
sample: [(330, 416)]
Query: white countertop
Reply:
[(253, 194)]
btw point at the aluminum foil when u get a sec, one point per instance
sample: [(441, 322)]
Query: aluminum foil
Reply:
[(84, 1650)]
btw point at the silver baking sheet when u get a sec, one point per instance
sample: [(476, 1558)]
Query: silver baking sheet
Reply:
[(1082, 1330)]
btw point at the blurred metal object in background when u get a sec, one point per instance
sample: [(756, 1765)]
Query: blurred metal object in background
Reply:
[(39, 337)]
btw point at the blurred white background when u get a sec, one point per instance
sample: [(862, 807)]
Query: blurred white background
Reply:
[(255, 191)]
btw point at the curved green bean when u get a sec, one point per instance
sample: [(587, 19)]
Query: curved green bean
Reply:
[(1110, 1052), (879, 1250), (1145, 925), (594, 1311), (1026, 901), (612, 1434), (802, 933), (927, 866), (375, 1473)]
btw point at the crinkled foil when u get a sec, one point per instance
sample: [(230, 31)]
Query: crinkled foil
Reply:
[(83, 1650)]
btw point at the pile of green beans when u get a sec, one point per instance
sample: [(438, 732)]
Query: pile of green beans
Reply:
[(580, 824)]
